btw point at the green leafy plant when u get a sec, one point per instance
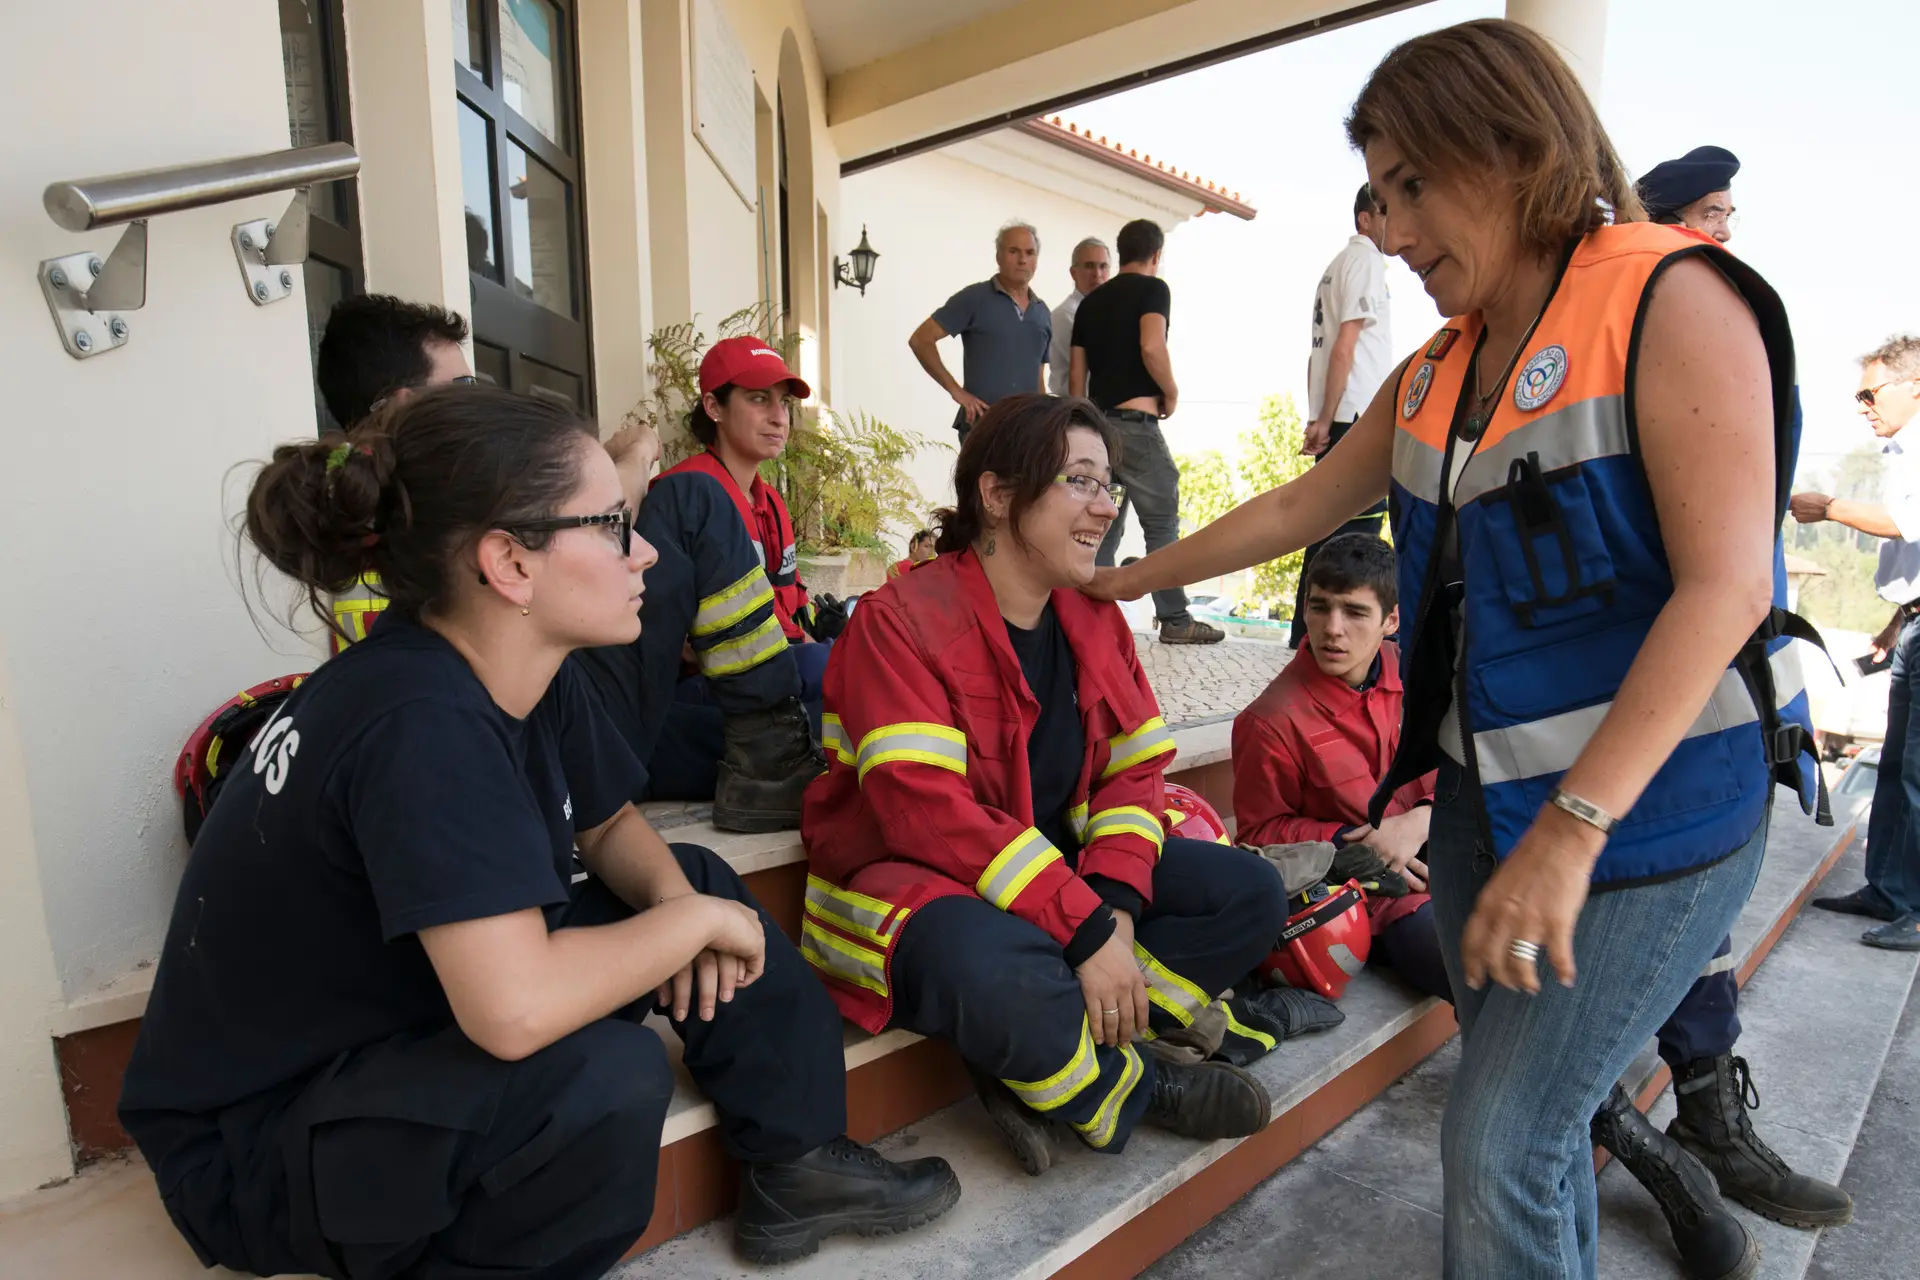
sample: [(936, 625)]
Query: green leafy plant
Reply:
[(843, 477), (1211, 485)]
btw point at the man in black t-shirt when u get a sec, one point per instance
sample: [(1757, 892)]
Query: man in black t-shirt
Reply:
[(1120, 362)]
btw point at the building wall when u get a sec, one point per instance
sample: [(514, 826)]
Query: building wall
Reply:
[(933, 219), (123, 626)]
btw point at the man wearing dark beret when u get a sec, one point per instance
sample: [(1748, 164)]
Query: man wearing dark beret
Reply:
[(1693, 191)]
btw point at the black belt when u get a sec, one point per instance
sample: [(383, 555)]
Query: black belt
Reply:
[(1138, 415)]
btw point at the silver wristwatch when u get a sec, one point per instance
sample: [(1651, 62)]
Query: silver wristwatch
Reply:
[(1585, 810)]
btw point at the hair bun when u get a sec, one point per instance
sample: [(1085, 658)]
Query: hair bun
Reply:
[(314, 510)]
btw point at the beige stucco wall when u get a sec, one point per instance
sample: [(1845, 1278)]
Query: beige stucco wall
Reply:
[(933, 218), (122, 626)]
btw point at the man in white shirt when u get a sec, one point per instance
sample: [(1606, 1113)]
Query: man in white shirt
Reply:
[(1091, 264), (1889, 397), (1352, 355)]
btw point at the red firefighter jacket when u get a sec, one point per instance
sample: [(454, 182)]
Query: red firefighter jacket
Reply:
[(1307, 754), (927, 792), (771, 529)]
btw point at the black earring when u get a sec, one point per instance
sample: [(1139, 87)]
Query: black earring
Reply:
[(483, 579)]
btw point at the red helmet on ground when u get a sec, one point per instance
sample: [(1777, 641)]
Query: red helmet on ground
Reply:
[(1190, 817), (1325, 942), (197, 774)]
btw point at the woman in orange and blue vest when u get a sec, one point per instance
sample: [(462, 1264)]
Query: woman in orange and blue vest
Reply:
[(1587, 469), (990, 862)]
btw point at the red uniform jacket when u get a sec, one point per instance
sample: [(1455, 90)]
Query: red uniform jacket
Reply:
[(771, 529), (1307, 754), (927, 792)]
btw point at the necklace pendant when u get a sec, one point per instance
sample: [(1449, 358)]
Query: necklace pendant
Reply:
[(1473, 426)]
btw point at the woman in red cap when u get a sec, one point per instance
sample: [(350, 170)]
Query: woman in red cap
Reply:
[(726, 592)]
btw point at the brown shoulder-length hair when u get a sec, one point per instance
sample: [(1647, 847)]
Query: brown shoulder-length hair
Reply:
[(1023, 441), (1491, 99)]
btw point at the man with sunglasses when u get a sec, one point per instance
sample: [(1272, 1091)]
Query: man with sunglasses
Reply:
[(1889, 399)]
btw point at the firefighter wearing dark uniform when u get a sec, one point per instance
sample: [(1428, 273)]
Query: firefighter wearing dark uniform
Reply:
[(993, 805), (305, 1088)]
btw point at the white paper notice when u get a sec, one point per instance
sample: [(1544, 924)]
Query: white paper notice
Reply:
[(723, 97)]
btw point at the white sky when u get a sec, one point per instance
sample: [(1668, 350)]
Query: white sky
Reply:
[(1819, 101)]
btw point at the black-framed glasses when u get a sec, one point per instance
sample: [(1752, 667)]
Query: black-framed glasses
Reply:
[(1085, 487), (1866, 394), (621, 521), (462, 380)]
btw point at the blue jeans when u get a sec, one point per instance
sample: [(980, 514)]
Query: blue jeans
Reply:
[(1893, 837), (1520, 1199)]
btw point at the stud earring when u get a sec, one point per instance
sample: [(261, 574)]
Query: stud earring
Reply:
[(525, 612)]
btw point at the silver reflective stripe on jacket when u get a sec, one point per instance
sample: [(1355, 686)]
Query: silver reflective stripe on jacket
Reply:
[(1025, 857)]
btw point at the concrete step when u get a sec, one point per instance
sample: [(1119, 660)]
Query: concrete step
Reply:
[(1374, 1184), (1101, 1216)]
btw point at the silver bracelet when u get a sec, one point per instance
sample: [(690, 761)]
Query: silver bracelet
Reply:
[(1585, 810)]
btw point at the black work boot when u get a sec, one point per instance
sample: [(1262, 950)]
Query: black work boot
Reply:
[(1714, 1095), (1713, 1244), (1207, 1100), (1026, 1130), (788, 1208), (771, 757)]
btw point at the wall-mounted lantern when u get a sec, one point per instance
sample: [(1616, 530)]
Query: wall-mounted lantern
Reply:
[(862, 257)]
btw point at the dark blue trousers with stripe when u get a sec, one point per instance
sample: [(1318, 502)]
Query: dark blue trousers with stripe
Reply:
[(704, 550), (999, 990), (1707, 1021)]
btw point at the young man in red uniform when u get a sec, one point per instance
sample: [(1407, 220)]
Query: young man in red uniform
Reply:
[(919, 551), (1308, 752)]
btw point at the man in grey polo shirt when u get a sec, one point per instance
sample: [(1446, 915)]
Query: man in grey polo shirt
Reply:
[(1003, 327), (1889, 397)]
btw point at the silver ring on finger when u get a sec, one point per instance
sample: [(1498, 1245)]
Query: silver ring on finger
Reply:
[(1110, 1013), (1521, 949)]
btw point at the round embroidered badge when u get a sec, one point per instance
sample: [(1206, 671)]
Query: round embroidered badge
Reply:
[(1417, 391), (1539, 379)]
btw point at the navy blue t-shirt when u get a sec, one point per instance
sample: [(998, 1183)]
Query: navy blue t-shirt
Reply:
[(387, 795)]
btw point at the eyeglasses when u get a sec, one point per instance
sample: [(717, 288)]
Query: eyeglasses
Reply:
[(1866, 394), (620, 521), (463, 380), (1086, 488)]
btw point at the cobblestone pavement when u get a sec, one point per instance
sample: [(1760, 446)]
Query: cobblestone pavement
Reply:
[(1201, 682)]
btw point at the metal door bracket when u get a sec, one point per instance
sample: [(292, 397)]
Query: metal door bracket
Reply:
[(269, 251), (87, 293)]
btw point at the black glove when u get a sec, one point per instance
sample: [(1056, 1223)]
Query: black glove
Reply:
[(1286, 1012), (825, 618), (1359, 862)]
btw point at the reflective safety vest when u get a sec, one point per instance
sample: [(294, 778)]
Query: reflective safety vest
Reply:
[(771, 534), (1561, 571), (928, 792), (354, 611)]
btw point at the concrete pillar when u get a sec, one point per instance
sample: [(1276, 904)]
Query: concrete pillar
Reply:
[(663, 25), (406, 126), (613, 132), (1578, 28)]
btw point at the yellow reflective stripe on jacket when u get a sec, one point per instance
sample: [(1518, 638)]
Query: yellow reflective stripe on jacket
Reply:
[(730, 604), (1099, 1131), (841, 959), (749, 651), (1150, 739), (852, 912), (1239, 1028), (916, 740), (1126, 820), (1077, 821), (1065, 1084), (1169, 990), (833, 736), (1014, 868), (353, 608)]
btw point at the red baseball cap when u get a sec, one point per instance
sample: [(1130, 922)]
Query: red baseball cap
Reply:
[(747, 362)]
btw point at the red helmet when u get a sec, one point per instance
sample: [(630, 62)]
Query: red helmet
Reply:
[(1191, 818), (196, 775), (1325, 942)]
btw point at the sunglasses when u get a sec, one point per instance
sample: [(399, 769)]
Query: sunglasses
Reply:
[(1866, 394), (620, 521)]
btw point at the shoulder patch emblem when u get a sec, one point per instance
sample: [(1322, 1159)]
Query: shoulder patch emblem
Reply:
[(1540, 378), (1442, 343), (1417, 391)]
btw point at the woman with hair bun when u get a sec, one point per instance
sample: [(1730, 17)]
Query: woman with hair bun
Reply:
[(388, 1033)]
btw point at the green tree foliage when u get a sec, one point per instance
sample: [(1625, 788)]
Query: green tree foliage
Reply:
[(1211, 486), (844, 478), (1844, 598)]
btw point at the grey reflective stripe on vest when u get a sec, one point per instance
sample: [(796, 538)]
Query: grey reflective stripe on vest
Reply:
[(1128, 820), (744, 653), (1552, 744), (1013, 870), (853, 912), (919, 741), (732, 603), (844, 960), (1416, 466), (1581, 432), (1129, 749)]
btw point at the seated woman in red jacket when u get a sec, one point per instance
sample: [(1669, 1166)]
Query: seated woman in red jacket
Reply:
[(989, 862), (1309, 751)]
